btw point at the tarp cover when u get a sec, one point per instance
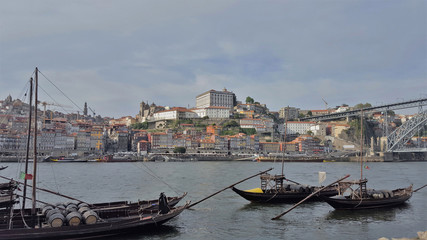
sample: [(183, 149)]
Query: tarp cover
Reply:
[(255, 190)]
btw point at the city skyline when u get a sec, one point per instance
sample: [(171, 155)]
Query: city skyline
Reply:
[(113, 55)]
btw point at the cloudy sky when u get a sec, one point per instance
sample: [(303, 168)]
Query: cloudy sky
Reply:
[(115, 54)]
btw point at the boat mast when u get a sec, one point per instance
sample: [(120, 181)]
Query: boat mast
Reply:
[(33, 209), (284, 140), (361, 144), (28, 145)]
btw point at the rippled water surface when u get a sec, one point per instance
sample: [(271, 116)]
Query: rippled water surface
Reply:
[(227, 215)]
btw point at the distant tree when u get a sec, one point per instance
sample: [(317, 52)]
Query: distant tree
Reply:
[(249, 100), (248, 131), (361, 105), (391, 113), (205, 117), (238, 116), (309, 132), (231, 123), (309, 113), (179, 150), (301, 115), (228, 132), (143, 125)]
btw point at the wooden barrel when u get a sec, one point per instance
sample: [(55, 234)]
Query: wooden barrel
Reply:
[(46, 209), (56, 220), (74, 218), (71, 205), (53, 211), (82, 205), (82, 210), (60, 205), (90, 217), (71, 208)]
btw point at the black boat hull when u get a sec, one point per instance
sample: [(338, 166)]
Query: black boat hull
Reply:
[(286, 197), (346, 203), (111, 227)]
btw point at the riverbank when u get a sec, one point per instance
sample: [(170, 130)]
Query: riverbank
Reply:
[(171, 157)]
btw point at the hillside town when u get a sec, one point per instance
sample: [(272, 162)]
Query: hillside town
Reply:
[(219, 124)]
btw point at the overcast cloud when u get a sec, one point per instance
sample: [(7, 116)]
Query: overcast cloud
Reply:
[(115, 54)]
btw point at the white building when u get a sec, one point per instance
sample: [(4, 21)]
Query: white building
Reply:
[(213, 98), (174, 114), (260, 125), (213, 112), (298, 127), (318, 129)]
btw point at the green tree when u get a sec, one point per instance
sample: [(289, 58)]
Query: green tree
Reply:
[(238, 116), (179, 150), (248, 131), (361, 105), (249, 100), (309, 113), (228, 132), (231, 123), (143, 125)]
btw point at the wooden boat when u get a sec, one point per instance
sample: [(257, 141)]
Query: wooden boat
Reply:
[(82, 220), (274, 190), (7, 195), (3, 167), (363, 198), (63, 159), (105, 223)]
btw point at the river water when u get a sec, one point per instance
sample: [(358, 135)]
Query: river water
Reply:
[(227, 215)]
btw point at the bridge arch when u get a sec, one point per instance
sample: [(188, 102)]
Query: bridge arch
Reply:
[(400, 136)]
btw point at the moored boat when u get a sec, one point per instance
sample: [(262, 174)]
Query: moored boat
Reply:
[(78, 220), (106, 222), (274, 190), (363, 198)]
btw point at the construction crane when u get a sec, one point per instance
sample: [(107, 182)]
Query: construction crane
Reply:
[(50, 104), (93, 111), (326, 104)]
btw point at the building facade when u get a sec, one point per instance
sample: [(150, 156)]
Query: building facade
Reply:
[(290, 111), (213, 98)]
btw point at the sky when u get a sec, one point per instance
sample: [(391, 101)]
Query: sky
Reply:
[(113, 54)]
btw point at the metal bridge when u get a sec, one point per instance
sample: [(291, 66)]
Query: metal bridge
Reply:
[(381, 108), (397, 140)]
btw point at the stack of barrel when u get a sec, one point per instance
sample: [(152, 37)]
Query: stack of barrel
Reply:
[(70, 214)]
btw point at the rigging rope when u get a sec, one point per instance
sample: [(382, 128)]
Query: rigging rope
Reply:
[(53, 100), (61, 91), (156, 177)]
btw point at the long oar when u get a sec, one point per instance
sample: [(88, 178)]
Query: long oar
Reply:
[(228, 187), (49, 191), (309, 196), (41, 202), (420, 188)]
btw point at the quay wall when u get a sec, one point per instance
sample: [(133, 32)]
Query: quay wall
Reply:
[(405, 156)]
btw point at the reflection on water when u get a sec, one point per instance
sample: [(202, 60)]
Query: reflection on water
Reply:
[(163, 231), (229, 216), (369, 215)]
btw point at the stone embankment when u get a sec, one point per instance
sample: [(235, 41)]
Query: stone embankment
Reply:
[(421, 236)]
